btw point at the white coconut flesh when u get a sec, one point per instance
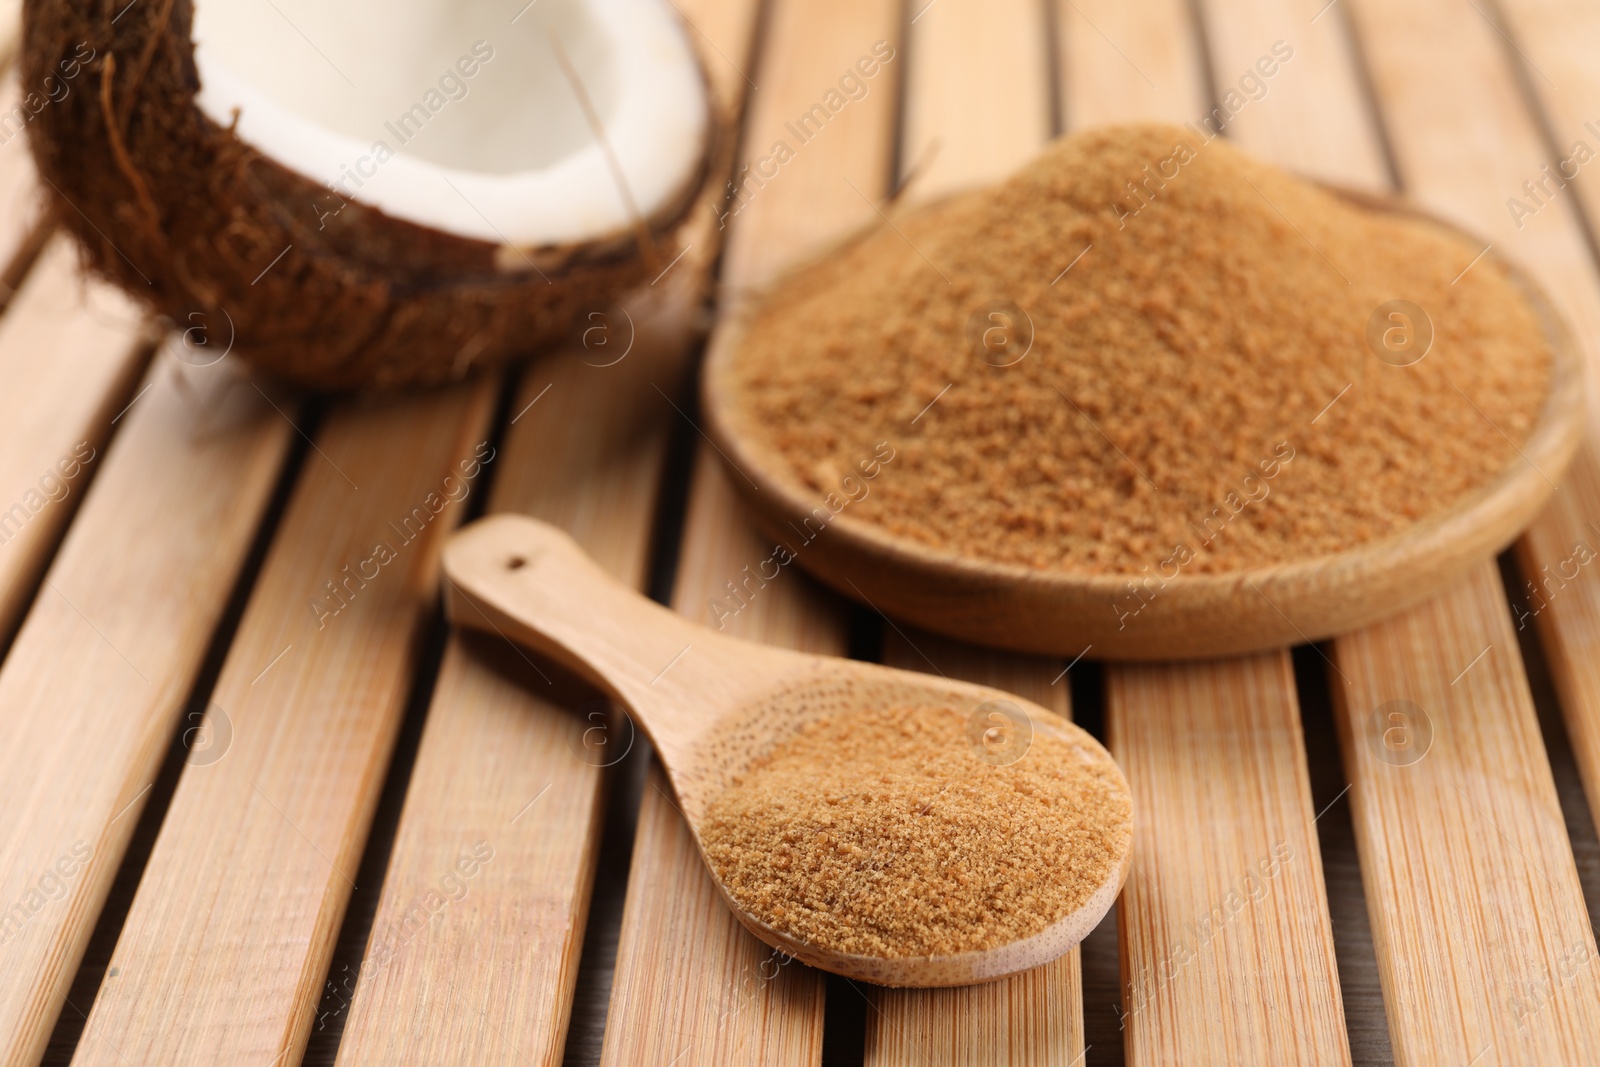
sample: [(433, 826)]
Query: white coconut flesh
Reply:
[(458, 114)]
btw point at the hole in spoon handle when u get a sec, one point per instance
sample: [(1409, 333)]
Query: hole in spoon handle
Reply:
[(532, 584)]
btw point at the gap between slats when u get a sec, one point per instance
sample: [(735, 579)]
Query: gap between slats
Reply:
[(97, 955), (690, 982), (975, 106)]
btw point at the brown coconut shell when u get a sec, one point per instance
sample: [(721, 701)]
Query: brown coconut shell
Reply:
[(186, 216)]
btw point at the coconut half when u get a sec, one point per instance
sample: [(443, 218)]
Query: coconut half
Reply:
[(370, 192)]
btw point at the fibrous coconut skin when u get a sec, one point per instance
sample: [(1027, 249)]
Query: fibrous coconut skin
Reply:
[(185, 215)]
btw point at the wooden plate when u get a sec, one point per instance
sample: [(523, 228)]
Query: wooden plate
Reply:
[(1060, 613)]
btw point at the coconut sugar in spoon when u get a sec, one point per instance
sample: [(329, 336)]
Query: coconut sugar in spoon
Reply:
[(845, 867)]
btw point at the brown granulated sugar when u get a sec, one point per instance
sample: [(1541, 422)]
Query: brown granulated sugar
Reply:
[(882, 833), (1200, 377)]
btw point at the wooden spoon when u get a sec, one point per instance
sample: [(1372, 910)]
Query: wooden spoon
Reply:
[(1167, 617), (712, 705)]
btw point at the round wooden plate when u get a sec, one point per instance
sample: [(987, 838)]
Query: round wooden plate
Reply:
[(1198, 615)]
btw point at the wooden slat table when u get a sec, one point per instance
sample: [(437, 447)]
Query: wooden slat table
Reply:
[(210, 852)]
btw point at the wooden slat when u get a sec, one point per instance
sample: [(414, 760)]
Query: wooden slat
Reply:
[(1559, 40), (977, 107), (70, 351), (1483, 942), (1555, 40), (809, 202), (1430, 939), (1563, 603), (1129, 63), (225, 946), (1035, 1018), (1109, 57), (1222, 962), (1227, 951), (502, 758), (1311, 118), (691, 986), (1445, 894), (101, 667), (485, 974), (977, 102)]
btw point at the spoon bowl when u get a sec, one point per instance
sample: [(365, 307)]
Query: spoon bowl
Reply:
[(713, 706), (1149, 616)]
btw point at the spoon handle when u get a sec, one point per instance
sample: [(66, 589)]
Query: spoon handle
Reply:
[(533, 585)]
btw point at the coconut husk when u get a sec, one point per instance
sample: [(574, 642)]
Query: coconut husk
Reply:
[(185, 215)]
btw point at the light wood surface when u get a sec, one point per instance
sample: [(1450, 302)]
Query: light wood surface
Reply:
[(1558, 594), (1459, 133), (1478, 918), (1033, 1019), (93, 687), (70, 351), (1312, 117), (690, 981), (1409, 928), (1227, 952), (713, 705), (691, 984), (1129, 62), (501, 758), (225, 948), (977, 107), (1553, 43), (1563, 607), (1183, 936), (1319, 84), (839, 175), (753, 1005), (977, 103)]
